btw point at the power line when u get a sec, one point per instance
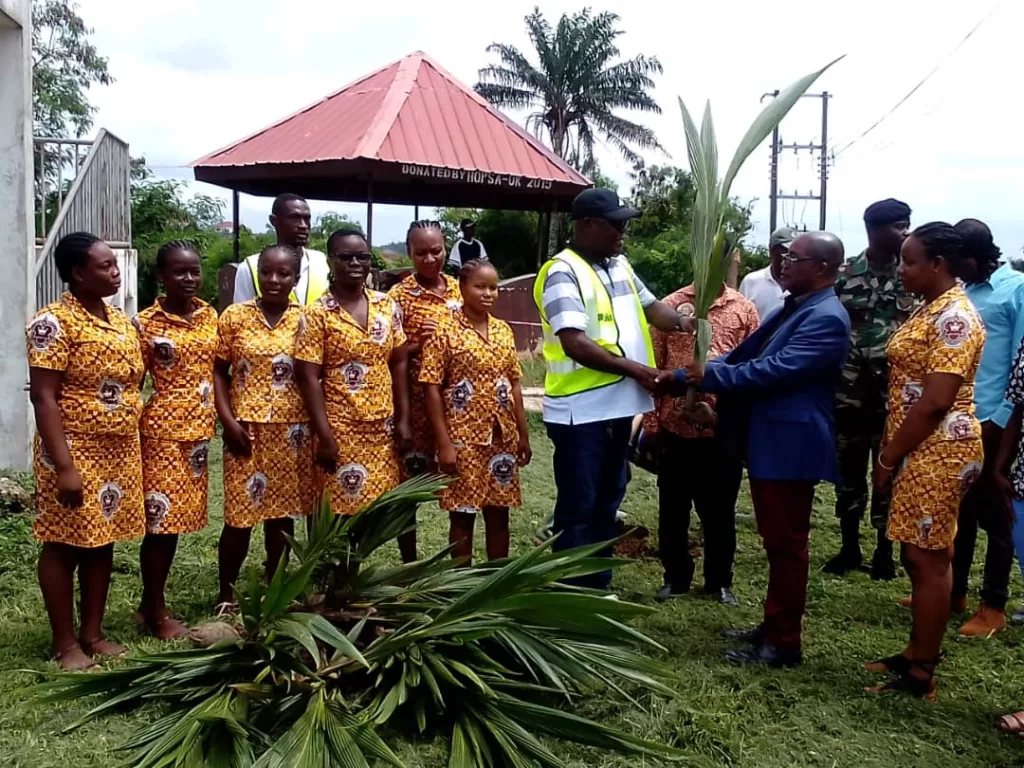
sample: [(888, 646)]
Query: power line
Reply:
[(924, 80)]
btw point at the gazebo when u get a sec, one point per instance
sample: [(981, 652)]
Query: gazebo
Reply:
[(408, 134)]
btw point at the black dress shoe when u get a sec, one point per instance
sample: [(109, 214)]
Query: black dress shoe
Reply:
[(669, 592), (766, 656), (754, 635), (726, 597), (843, 563)]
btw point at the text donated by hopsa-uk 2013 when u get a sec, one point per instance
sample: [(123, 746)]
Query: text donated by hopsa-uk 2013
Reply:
[(484, 178)]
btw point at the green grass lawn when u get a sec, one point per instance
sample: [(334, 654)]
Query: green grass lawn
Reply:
[(814, 716)]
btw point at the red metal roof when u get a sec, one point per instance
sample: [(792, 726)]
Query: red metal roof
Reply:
[(411, 113)]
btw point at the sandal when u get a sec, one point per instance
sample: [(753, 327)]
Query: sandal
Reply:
[(894, 665), (1012, 724), (68, 662), (916, 685)]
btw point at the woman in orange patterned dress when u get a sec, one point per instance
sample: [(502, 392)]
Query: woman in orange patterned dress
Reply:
[(351, 369), (268, 464), (85, 371), (471, 373), (178, 335), (425, 298), (932, 444)]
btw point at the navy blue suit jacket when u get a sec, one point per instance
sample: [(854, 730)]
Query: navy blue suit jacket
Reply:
[(777, 404)]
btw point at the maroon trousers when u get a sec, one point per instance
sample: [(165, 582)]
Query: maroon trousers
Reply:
[(783, 512)]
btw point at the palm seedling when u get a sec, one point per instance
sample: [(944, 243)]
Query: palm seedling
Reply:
[(332, 660), (710, 251)]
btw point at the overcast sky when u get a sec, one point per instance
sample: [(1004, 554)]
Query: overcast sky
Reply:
[(195, 75)]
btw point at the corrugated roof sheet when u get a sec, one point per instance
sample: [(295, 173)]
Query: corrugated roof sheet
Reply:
[(411, 111)]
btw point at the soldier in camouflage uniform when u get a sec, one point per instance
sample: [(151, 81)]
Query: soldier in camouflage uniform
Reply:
[(870, 289)]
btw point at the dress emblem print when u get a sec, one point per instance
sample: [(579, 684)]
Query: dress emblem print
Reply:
[(352, 478), (460, 395), (256, 487), (378, 330), (911, 394), (205, 394), (503, 468), (110, 393), (157, 506), (110, 496), (958, 426), (198, 457), (969, 476), (503, 392), (354, 375), (281, 371), (164, 351), (43, 331), (298, 437), (242, 370), (954, 327)]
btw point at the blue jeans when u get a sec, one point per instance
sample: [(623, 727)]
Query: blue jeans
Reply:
[(1018, 532), (590, 478)]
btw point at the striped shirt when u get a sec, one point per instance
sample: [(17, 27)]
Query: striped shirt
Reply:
[(564, 310)]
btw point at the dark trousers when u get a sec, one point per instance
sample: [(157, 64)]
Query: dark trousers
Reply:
[(858, 436), (783, 512), (982, 508), (697, 473), (590, 478)]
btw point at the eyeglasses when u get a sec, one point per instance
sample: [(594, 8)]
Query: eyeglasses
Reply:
[(362, 258), (618, 226), (791, 259)]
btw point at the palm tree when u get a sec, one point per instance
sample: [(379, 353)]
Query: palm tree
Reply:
[(576, 86)]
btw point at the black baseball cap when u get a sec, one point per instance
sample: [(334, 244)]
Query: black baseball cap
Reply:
[(601, 204)]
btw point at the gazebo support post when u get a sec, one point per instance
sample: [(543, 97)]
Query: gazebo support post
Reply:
[(234, 227), (369, 213)]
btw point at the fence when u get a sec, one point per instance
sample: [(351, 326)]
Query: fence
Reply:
[(98, 201)]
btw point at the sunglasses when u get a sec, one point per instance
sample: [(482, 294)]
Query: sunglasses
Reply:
[(618, 226), (362, 258)]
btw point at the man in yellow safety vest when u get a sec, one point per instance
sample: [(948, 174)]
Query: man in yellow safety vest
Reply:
[(594, 313), (290, 218)]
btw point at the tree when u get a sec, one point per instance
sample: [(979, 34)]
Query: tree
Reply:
[(576, 86), (64, 65)]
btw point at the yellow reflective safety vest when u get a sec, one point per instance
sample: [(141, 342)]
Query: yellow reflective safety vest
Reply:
[(317, 283), (564, 376)]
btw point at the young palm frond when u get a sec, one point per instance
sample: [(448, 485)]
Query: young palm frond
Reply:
[(708, 247), (497, 657)]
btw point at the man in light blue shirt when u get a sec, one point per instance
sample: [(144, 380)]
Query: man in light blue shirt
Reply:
[(997, 292)]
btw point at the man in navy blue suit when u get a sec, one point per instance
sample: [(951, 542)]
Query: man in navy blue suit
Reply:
[(776, 404)]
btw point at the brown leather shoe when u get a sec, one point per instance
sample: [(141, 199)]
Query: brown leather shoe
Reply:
[(958, 606), (985, 623)]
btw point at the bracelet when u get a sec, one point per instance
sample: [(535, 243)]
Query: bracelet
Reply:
[(883, 466)]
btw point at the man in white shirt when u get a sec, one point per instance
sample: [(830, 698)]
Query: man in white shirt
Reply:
[(468, 248), (762, 287), (291, 220), (595, 314)]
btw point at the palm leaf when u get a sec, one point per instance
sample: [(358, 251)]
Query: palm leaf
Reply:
[(708, 246)]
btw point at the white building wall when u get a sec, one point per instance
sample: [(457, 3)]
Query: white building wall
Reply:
[(17, 288)]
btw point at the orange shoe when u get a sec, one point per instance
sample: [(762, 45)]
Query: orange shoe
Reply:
[(985, 623), (959, 604)]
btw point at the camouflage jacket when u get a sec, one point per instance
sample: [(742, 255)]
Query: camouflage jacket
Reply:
[(877, 306)]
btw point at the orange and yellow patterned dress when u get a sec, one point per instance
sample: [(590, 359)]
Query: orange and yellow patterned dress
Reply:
[(358, 395), (419, 305), (100, 405), (475, 375), (945, 336), (179, 420), (277, 479)]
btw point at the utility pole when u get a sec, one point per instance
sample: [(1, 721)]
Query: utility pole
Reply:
[(778, 146)]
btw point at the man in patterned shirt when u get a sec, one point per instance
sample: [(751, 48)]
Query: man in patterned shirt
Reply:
[(870, 290), (697, 470)]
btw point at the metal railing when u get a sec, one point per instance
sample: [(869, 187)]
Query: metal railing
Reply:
[(98, 201)]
